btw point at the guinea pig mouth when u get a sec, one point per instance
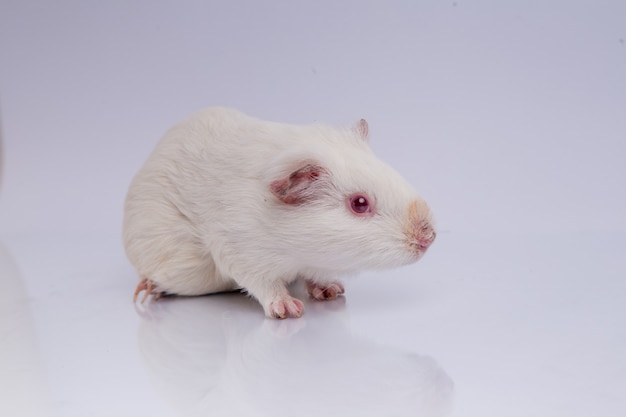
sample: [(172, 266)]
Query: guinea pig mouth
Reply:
[(416, 250)]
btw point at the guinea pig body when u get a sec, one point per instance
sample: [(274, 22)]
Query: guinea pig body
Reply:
[(226, 202)]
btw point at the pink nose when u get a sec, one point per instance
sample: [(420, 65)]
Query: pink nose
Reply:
[(426, 236)]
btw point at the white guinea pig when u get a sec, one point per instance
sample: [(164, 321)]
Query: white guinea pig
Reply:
[(229, 202)]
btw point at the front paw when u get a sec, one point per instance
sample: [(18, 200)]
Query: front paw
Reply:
[(285, 306), (328, 291)]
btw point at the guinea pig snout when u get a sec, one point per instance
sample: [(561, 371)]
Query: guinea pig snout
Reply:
[(421, 233), (421, 237), (425, 236)]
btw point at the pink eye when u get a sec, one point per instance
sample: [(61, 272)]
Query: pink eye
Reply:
[(360, 205)]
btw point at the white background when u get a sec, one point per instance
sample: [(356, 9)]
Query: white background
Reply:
[(509, 117), (505, 115)]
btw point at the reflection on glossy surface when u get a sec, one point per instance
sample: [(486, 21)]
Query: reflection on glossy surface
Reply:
[(24, 391), (218, 355), (525, 325)]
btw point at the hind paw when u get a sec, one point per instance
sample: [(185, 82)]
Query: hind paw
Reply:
[(148, 287)]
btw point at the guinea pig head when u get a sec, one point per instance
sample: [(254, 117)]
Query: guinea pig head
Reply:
[(349, 212)]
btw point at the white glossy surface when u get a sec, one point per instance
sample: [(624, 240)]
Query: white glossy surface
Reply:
[(514, 325)]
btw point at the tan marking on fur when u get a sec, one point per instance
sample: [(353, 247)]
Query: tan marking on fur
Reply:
[(419, 218), (418, 214)]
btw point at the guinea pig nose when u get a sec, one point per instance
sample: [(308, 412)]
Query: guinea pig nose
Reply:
[(426, 236)]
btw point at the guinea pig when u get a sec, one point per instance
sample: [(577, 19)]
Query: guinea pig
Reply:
[(228, 202)]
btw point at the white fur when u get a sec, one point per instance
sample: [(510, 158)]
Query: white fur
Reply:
[(200, 216)]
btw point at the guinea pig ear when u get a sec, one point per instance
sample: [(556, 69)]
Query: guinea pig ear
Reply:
[(301, 185), (363, 130)]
